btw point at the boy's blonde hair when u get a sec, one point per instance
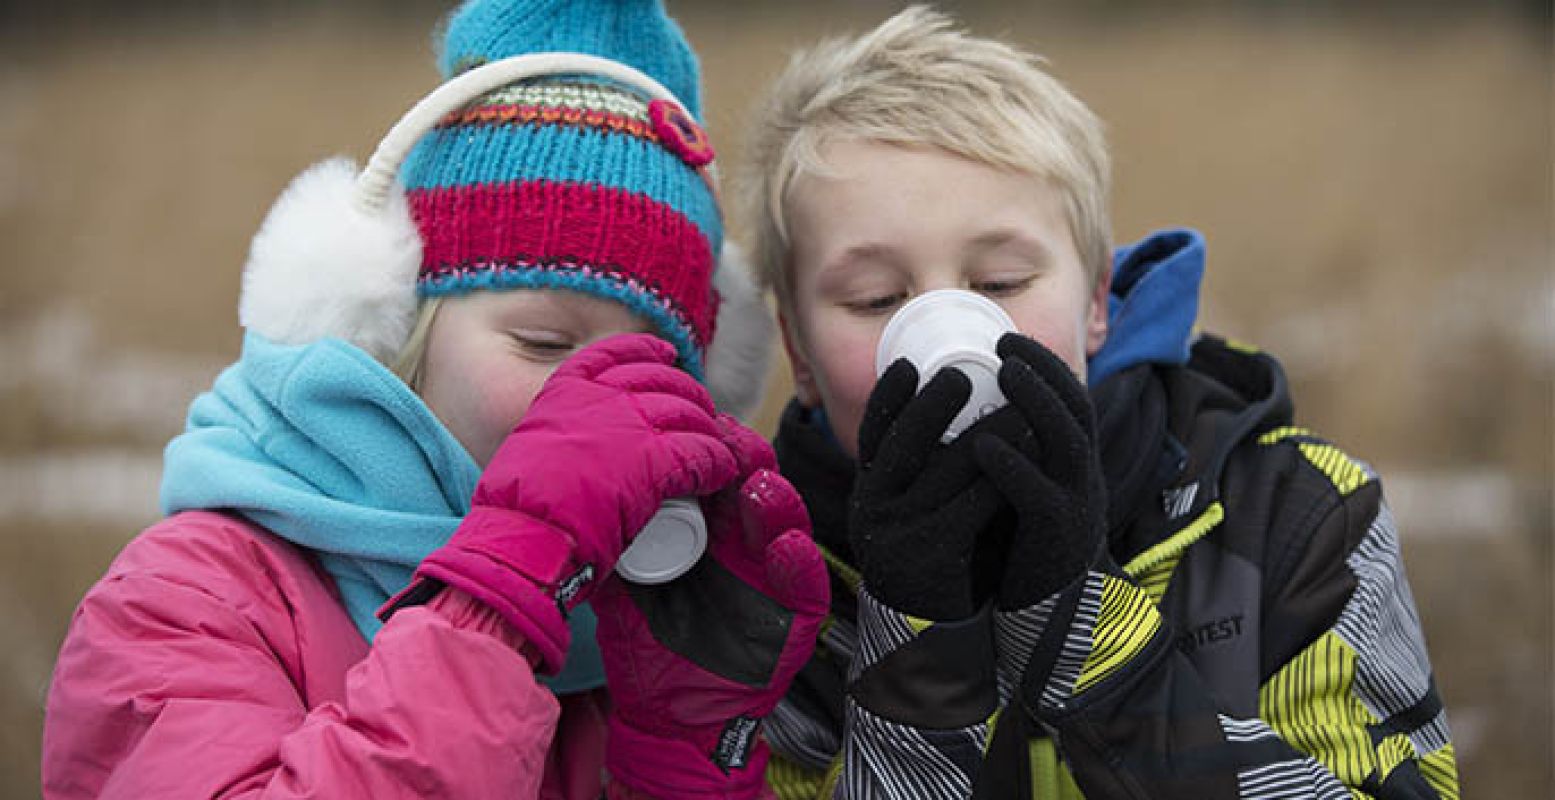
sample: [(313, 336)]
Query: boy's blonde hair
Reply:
[(918, 80)]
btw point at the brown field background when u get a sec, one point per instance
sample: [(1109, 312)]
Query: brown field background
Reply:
[(1376, 191)]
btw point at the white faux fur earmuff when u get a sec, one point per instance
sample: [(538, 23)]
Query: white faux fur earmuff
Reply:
[(338, 254)]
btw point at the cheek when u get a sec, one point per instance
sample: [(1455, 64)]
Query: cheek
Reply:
[(480, 399), (1065, 340), (498, 403), (843, 358), (1059, 326)]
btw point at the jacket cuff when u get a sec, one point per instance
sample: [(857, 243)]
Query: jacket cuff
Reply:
[(923, 674), (921, 699), (1093, 630), (466, 613)]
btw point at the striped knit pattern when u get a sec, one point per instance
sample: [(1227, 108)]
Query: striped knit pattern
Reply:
[(575, 97), (513, 151), (569, 184)]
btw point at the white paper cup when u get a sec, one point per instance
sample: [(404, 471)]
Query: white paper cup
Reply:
[(950, 328), (667, 546)]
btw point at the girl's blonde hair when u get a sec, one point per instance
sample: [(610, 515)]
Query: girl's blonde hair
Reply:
[(410, 362), (917, 80)]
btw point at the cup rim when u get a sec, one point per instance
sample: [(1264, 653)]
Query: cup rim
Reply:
[(938, 301)]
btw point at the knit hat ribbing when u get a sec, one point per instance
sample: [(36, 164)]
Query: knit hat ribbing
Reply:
[(572, 182)]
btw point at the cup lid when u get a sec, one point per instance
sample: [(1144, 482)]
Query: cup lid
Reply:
[(668, 546)]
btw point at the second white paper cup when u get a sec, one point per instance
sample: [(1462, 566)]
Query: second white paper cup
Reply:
[(950, 328)]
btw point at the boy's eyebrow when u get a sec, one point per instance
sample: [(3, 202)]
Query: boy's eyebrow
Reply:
[(836, 268), (1005, 236)]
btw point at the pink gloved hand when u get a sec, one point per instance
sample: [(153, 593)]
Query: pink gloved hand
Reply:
[(695, 664), (615, 431)]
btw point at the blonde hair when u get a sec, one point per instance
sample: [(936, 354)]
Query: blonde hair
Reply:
[(918, 80), (410, 363)]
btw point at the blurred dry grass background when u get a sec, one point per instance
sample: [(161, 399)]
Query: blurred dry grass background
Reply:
[(1376, 191)]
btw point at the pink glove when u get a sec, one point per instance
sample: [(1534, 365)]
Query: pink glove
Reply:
[(615, 431), (695, 664)]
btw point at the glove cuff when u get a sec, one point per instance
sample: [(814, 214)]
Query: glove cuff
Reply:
[(533, 613), (524, 569), (662, 767)]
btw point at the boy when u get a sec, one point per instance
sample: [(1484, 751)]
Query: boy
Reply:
[(1156, 586)]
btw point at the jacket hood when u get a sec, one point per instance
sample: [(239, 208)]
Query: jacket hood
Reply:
[(1231, 391), (1166, 431), (1154, 302)]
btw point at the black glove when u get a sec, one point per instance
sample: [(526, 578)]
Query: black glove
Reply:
[(921, 524), (918, 506), (1050, 473)]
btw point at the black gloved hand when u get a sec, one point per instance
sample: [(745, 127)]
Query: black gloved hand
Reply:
[(1051, 473), (918, 506)]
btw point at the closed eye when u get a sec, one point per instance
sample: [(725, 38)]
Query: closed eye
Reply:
[(1004, 288), (542, 346), (872, 306)]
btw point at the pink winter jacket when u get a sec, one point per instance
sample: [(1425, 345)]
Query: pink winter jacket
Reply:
[(215, 660)]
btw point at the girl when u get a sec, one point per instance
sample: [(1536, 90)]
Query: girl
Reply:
[(381, 584)]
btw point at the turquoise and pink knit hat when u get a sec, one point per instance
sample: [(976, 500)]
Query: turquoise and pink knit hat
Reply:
[(575, 181), (562, 151)]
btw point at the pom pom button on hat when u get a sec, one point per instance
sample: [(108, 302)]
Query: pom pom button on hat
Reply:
[(562, 151)]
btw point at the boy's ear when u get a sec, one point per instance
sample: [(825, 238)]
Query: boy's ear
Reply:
[(804, 377), (1096, 320)]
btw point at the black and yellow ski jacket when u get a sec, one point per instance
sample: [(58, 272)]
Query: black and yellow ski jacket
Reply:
[(1264, 643)]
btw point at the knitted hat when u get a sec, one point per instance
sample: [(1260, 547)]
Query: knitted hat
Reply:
[(588, 173)]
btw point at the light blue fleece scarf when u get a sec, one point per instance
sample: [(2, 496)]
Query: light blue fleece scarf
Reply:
[(326, 448)]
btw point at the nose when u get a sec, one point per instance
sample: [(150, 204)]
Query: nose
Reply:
[(937, 281)]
